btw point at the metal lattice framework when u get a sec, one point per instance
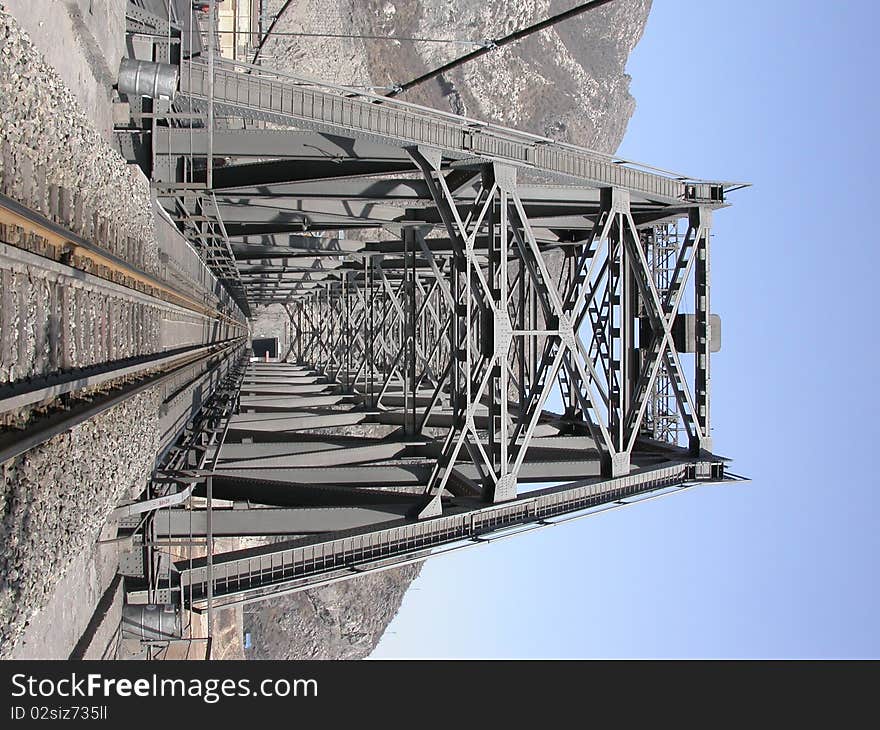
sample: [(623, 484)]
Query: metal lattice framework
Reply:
[(486, 327)]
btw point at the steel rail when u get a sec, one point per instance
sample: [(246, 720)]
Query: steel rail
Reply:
[(67, 380), (67, 241), (15, 443), (19, 394)]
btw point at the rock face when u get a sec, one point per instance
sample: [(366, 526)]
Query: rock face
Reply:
[(568, 83), (339, 621)]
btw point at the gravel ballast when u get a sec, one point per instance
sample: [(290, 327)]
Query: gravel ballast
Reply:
[(41, 119), (55, 499)]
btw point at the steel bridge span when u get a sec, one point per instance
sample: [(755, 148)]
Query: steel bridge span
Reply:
[(492, 331)]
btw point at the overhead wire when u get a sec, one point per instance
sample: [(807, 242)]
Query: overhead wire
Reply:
[(484, 46), (498, 43), (360, 36)]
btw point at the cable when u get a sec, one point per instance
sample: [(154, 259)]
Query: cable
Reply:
[(278, 34), (269, 31), (492, 45)]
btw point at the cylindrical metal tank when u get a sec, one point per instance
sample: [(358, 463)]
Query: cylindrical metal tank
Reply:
[(151, 621), (145, 78)]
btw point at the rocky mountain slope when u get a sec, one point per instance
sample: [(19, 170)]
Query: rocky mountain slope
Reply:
[(339, 621), (568, 83)]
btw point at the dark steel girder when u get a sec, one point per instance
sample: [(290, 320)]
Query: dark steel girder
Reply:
[(351, 188), (276, 143), (252, 178), (247, 218)]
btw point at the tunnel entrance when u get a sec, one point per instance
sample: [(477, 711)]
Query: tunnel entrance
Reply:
[(265, 347)]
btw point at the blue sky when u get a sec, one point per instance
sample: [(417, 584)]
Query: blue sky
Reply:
[(784, 95)]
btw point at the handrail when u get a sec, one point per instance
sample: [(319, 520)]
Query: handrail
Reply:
[(466, 122)]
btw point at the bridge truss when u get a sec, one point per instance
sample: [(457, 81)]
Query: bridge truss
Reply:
[(488, 329)]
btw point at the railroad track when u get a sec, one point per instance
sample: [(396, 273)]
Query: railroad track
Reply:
[(84, 326)]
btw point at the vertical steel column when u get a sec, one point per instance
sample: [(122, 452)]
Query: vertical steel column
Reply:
[(489, 326), (536, 344), (326, 317), (369, 327), (409, 324), (455, 330), (299, 339), (616, 327), (346, 337), (212, 23), (310, 350), (503, 337), (701, 219), (521, 323), (616, 351)]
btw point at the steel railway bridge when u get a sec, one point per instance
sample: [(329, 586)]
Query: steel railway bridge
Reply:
[(492, 331)]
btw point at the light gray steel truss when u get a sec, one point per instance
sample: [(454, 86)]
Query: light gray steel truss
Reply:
[(428, 355)]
